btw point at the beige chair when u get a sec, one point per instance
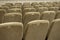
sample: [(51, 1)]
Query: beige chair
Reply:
[(53, 8), (48, 15), (34, 3), (2, 13), (15, 10), (55, 4), (42, 3), (11, 31), (36, 30), (29, 16), (12, 17), (9, 4), (29, 10), (54, 33), (37, 6), (5, 7), (27, 6), (42, 9), (18, 4), (26, 3), (57, 15)]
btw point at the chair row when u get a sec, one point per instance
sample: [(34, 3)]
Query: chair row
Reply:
[(19, 7), (28, 16), (35, 30), (40, 30), (35, 3)]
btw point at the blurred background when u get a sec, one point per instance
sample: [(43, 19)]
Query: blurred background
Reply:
[(26, 0), (14, 1), (29, 0)]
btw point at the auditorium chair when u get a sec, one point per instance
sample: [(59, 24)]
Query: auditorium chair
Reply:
[(12, 17), (11, 31)]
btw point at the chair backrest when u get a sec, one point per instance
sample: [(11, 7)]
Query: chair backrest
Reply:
[(29, 10), (2, 13), (42, 9), (12, 17), (36, 30), (18, 4), (11, 31), (53, 8), (30, 16), (57, 14), (15, 10), (48, 15), (54, 33)]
